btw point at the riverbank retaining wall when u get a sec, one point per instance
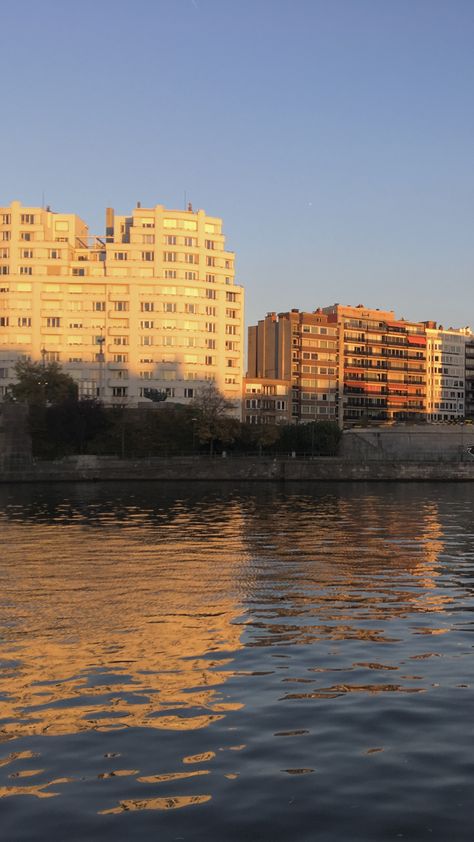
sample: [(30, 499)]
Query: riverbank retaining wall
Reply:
[(418, 443), (242, 469)]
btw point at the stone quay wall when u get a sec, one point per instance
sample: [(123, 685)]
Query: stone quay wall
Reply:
[(237, 469)]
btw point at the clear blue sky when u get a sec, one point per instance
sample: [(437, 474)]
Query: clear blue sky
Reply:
[(335, 137)]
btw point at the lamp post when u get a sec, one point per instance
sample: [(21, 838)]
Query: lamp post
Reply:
[(101, 361)]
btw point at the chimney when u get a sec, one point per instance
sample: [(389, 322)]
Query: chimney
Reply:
[(109, 222)]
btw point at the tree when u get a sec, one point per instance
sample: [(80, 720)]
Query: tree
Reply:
[(211, 416), (41, 385)]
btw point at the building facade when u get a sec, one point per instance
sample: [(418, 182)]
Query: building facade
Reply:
[(300, 349), (470, 377), (151, 304), (266, 401), (446, 372), (382, 366)]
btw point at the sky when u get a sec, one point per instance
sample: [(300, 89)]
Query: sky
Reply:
[(334, 137)]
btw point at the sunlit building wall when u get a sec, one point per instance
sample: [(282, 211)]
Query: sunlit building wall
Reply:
[(301, 349), (152, 303), (446, 372), (470, 377), (382, 366)]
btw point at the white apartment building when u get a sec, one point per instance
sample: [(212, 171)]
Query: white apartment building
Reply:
[(151, 304), (446, 372)]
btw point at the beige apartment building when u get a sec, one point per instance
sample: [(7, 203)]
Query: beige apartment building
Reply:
[(382, 366), (301, 350), (151, 304), (446, 371)]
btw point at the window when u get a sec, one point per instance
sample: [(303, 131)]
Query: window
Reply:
[(169, 307), (170, 273), (148, 238), (78, 272), (27, 219), (5, 236), (120, 358), (210, 311), (121, 306), (24, 321), (6, 218), (191, 258), (4, 322), (53, 321), (119, 391), (4, 253), (189, 393), (211, 327), (169, 256), (54, 254), (211, 344), (148, 255), (210, 279), (170, 239), (147, 306), (190, 241), (146, 340), (98, 306), (26, 270), (210, 261), (4, 270), (190, 308), (211, 293), (190, 276), (231, 296), (120, 340), (209, 244), (120, 255), (26, 253), (147, 324), (231, 314), (209, 360)]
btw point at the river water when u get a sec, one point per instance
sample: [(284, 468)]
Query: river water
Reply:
[(255, 662)]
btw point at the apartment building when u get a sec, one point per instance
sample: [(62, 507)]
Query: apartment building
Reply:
[(266, 401), (446, 372), (469, 384), (151, 304), (301, 350), (382, 366)]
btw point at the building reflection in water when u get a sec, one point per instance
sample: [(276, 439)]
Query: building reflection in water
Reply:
[(130, 611), (118, 619)]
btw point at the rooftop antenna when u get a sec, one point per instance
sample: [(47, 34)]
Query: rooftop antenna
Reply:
[(185, 197), (42, 200)]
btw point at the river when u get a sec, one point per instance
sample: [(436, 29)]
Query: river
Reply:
[(216, 662)]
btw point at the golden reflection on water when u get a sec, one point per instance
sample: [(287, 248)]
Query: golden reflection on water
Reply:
[(112, 632), (135, 620), (170, 803)]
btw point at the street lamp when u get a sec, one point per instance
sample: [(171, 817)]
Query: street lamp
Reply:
[(101, 361)]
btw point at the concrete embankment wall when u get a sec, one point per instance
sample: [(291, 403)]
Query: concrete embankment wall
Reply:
[(187, 469), (422, 442)]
